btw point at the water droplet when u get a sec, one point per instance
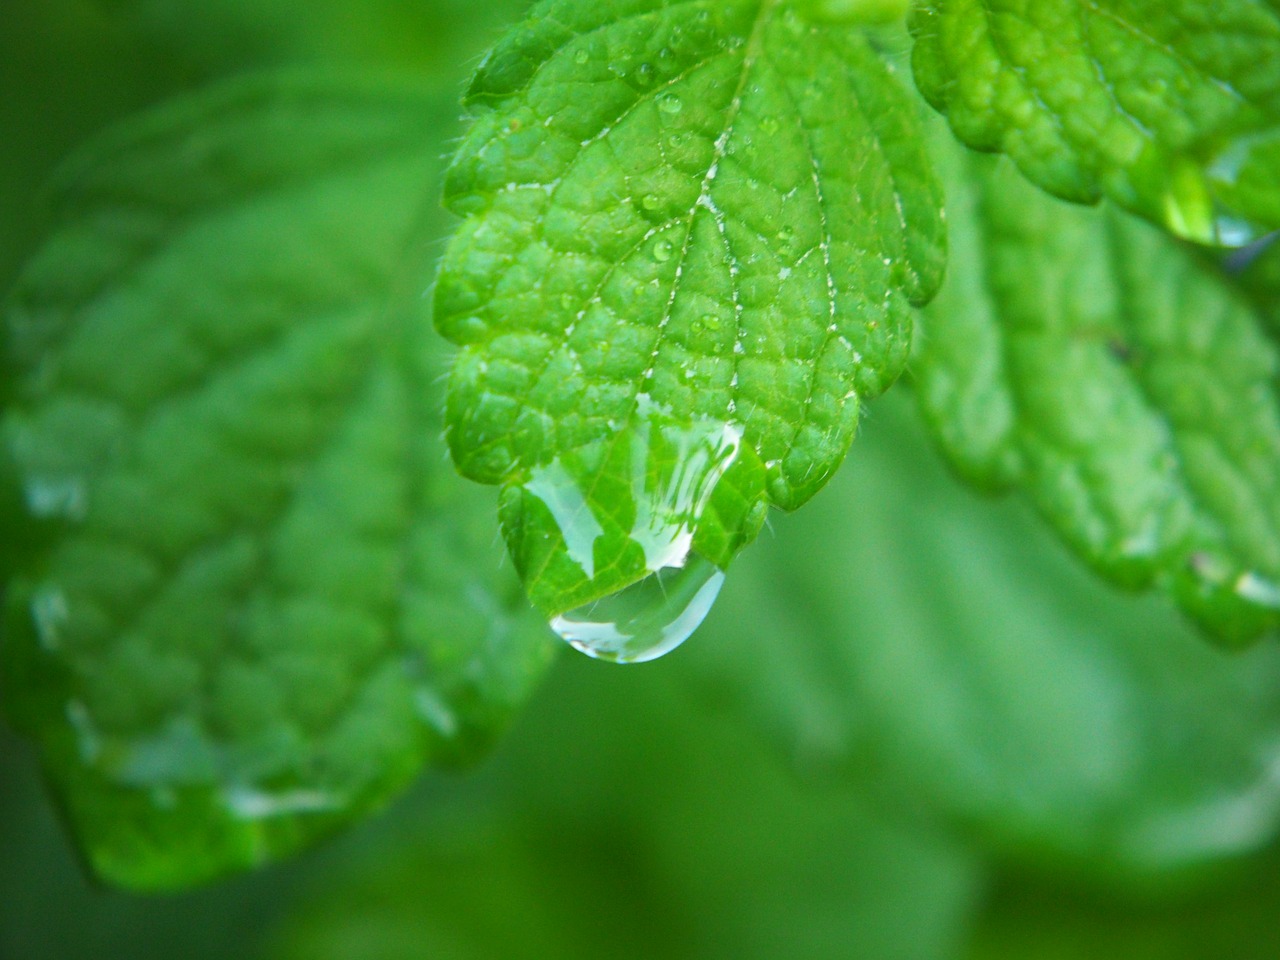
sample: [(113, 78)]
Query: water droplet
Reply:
[(50, 498), (1258, 589), (644, 74), (1193, 209), (251, 803), (769, 125), (786, 234), (49, 613), (662, 250), (627, 509), (711, 321), (581, 57), (435, 712), (88, 739), (648, 618), (651, 201), (553, 485), (670, 103)]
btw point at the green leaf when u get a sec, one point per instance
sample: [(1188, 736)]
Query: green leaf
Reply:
[(694, 230), (1089, 359), (903, 633), (1169, 107), (252, 600)]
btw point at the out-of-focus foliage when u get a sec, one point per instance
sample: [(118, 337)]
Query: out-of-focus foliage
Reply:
[(634, 824), (249, 600), (938, 646)]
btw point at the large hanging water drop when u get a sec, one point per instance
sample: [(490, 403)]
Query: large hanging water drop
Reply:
[(647, 619), (623, 541)]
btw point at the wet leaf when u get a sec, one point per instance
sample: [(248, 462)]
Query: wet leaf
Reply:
[(1132, 392), (693, 234)]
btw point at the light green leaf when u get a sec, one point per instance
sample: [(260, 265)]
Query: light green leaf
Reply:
[(903, 633), (693, 233), (1169, 107), (252, 601), (1089, 359)]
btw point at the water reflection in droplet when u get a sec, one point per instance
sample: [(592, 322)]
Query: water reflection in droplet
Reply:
[(648, 618)]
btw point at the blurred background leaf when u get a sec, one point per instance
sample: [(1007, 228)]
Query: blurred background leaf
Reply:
[(910, 634)]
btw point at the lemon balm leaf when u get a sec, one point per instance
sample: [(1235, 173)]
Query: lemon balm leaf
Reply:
[(251, 599), (1088, 359), (693, 234), (1169, 107)]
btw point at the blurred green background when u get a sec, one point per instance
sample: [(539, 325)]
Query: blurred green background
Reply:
[(912, 727)]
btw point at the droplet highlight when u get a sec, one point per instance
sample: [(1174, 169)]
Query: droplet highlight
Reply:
[(670, 103), (648, 619), (614, 524)]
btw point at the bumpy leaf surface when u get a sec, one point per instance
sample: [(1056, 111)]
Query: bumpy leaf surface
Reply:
[(680, 214), (1169, 107), (1088, 358), (251, 599)]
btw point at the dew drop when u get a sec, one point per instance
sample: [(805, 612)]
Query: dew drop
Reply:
[(769, 125), (670, 103), (581, 57), (647, 619), (579, 527), (49, 613), (252, 803), (625, 527), (1258, 590), (711, 321), (662, 250), (1192, 209), (644, 74), (50, 498), (88, 738), (651, 201)]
